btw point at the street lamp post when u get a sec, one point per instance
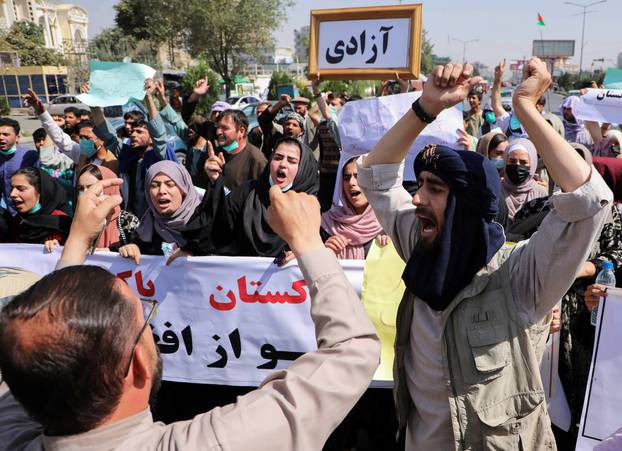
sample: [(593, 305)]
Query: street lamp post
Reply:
[(464, 44), (585, 7)]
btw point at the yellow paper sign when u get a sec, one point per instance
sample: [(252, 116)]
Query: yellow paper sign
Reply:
[(382, 292)]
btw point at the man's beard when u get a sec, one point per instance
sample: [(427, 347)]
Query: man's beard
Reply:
[(423, 247)]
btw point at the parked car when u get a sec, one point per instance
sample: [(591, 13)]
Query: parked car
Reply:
[(58, 105), (240, 102)]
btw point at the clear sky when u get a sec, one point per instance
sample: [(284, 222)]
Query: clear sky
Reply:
[(504, 28)]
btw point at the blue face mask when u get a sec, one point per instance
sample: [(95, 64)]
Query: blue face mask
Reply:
[(499, 163), (287, 188), (87, 148), (333, 110), (231, 147), (490, 117), (10, 151), (515, 125)]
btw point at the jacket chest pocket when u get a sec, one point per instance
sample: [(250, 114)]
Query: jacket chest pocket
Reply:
[(490, 349)]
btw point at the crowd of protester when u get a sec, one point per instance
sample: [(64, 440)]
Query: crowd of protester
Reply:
[(217, 203)]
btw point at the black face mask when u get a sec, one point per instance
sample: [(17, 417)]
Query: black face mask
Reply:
[(516, 174)]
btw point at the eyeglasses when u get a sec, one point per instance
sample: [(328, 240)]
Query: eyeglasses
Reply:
[(153, 305)]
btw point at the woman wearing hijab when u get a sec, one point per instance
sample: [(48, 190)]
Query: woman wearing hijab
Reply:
[(172, 203), (120, 226), (574, 129), (350, 228), (519, 186), (41, 207), (493, 146), (240, 226)]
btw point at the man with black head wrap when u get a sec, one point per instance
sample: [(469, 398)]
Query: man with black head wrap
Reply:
[(472, 325)]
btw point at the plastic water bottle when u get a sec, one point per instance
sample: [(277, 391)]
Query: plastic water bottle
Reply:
[(605, 277)]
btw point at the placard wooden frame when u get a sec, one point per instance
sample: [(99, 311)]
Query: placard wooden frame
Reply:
[(411, 11)]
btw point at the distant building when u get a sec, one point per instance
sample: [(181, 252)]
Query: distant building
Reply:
[(64, 25)]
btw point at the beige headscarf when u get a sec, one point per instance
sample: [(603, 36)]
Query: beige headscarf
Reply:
[(484, 142)]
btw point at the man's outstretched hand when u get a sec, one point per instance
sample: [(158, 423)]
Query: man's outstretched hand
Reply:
[(447, 86), (295, 217), (89, 220), (33, 100)]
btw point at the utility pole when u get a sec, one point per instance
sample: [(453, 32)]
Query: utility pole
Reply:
[(464, 44), (585, 7)]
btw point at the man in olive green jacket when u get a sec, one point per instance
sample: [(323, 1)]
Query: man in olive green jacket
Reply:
[(468, 344)]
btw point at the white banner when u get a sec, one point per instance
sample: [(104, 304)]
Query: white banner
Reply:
[(603, 397), (220, 320), (601, 105), (364, 44)]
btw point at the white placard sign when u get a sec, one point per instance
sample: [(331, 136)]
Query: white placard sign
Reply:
[(601, 414), (556, 401), (364, 44), (601, 105), (220, 320), (363, 122)]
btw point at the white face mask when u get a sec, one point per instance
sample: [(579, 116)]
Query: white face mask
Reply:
[(285, 189)]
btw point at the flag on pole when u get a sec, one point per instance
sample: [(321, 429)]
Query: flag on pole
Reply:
[(541, 20)]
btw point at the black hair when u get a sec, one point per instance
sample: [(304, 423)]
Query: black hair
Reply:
[(541, 101), (465, 115), (73, 109), (496, 140), (91, 169), (64, 345), (32, 175), (84, 113), (288, 140), (476, 92), (8, 122), (82, 124), (136, 115), (39, 134), (238, 117)]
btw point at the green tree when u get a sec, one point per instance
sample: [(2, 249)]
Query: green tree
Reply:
[(112, 44), (278, 78), (427, 60), (28, 40), (196, 72), (230, 32), (154, 21)]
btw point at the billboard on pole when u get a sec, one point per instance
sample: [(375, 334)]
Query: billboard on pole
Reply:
[(553, 48)]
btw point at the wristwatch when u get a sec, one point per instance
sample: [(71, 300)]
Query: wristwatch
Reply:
[(421, 114)]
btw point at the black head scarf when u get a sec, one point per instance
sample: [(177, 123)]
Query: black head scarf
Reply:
[(261, 238), (36, 227), (469, 238)]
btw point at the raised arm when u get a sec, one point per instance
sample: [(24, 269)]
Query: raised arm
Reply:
[(169, 115), (564, 164), (448, 85), (60, 139), (543, 268), (495, 93), (321, 101), (156, 127)]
